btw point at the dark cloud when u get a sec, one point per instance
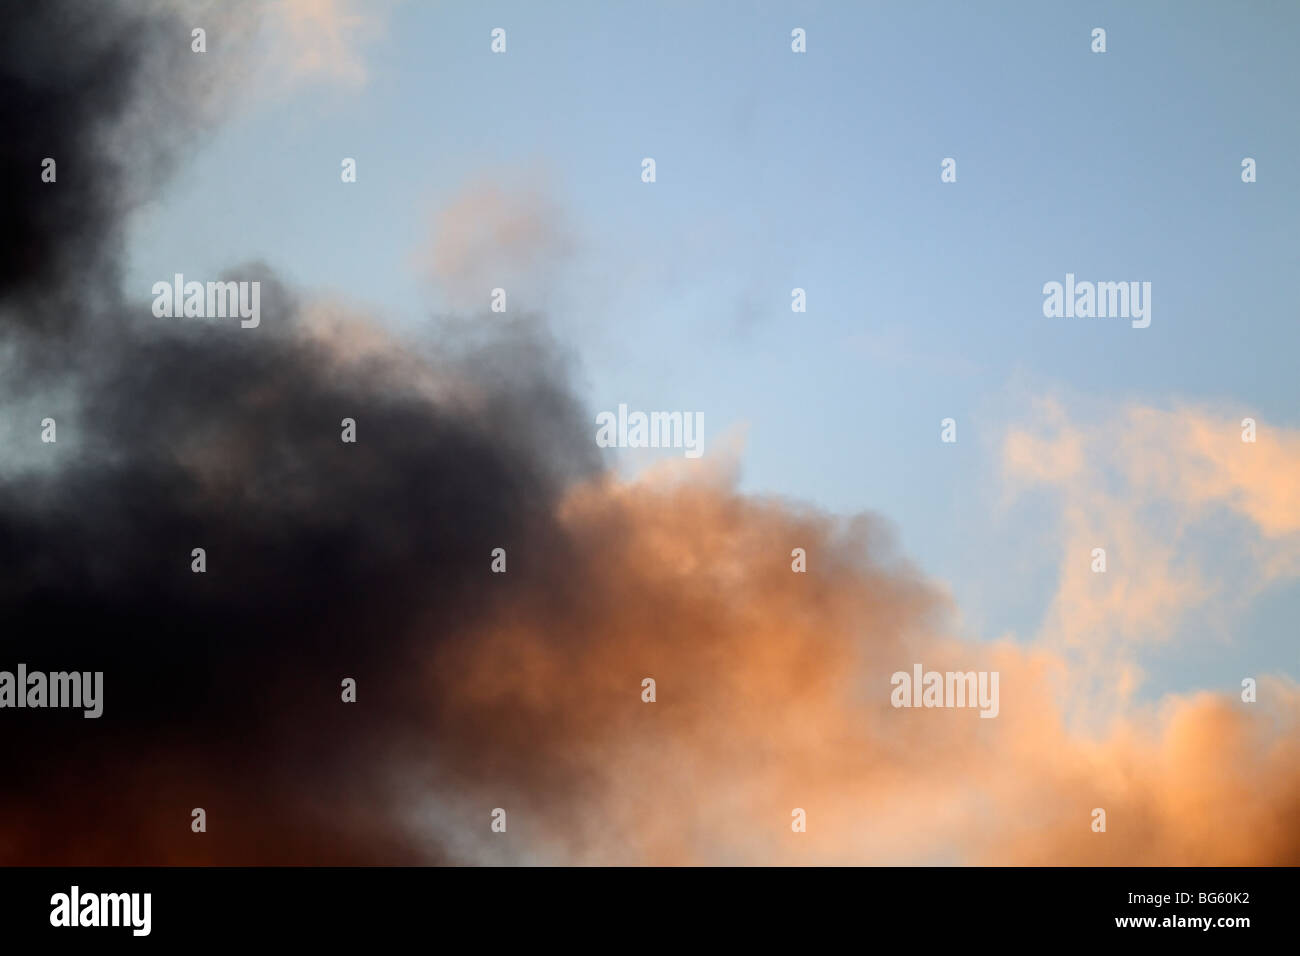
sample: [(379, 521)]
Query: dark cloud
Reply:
[(371, 560), (325, 560), (111, 93)]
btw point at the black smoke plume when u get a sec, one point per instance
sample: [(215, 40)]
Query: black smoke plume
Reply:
[(325, 560)]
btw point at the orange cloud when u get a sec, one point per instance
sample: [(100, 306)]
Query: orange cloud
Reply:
[(321, 39), (1192, 520), (489, 237), (773, 694)]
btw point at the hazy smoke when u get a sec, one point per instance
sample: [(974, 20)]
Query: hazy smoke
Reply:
[(325, 560), (476, 690)]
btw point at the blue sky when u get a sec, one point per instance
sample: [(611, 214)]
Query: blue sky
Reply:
[(821, 171)]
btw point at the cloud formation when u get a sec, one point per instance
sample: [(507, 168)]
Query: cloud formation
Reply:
[(322, 39), (1195, 523), (489, 236), (773, 694), (521, 690)]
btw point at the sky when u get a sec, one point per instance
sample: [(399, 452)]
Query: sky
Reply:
[(821, 171)]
